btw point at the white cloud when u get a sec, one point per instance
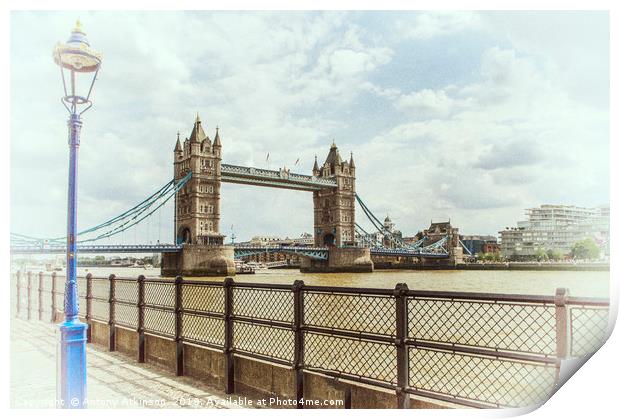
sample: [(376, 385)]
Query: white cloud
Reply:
[(427, 25), (515, 134)]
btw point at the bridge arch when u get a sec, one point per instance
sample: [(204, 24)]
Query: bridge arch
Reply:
[(184, 235), (329, 239)]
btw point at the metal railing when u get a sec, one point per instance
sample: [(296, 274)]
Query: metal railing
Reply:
[(473, 349)]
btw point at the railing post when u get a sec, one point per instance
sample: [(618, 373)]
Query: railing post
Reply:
[(89, 306), (228, 336), (402, 356), (29, 275), (111, 316), (53, 315), (141, 341), (40, 296), (178, 324), (561, 323), (298, 360), (18, 280)]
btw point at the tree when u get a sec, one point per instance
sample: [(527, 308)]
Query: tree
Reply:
[(585, 249), (555, 254), (541, 255)]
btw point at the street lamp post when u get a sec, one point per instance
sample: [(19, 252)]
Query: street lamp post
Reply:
[(81, 61)]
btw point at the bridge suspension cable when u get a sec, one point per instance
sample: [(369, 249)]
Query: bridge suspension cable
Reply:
[(437, 246), (376, 223), (119, 223)]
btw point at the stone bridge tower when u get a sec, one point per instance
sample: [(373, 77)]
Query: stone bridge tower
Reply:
[(197, 209), (197, 204), (334, 208)]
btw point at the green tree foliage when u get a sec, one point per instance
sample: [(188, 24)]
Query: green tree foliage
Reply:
[(585, 249), (541, 255), (555, 254)]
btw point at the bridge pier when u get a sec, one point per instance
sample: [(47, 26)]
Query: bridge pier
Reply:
[(199, 260), (341, 259)]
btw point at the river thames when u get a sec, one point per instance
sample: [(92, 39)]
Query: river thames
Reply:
[(583, 284)]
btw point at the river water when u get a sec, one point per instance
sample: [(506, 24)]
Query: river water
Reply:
[(582, 284)]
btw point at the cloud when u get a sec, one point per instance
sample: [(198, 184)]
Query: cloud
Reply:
[(433, 24), (511, 154), (488, 139)]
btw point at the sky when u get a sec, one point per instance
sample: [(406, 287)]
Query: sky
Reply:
[(466, 116)]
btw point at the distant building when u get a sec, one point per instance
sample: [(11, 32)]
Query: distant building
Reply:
[(306, 239), (265, 240), (389, 237), (555, 227), (477, 244)]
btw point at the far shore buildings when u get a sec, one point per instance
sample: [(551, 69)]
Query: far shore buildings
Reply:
[(555, 227), (477, 244)]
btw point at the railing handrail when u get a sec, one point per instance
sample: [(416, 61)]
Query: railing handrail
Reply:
[(388, 328), (430, 294)]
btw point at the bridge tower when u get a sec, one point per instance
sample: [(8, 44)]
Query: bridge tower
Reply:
[(334, 208), (197, 218), (334, 219), (197, 209)]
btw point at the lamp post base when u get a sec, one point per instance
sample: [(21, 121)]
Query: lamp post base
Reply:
[(72, 365)]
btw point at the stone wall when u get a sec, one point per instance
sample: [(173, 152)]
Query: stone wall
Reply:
[(341, 259), (199, 260), (253, 378)]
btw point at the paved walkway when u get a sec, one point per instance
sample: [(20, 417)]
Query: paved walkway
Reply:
[(114, 380)]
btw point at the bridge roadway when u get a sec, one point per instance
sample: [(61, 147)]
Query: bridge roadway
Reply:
[(321, 253)]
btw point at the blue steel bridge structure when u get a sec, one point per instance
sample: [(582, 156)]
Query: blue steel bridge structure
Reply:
[(89, 240)]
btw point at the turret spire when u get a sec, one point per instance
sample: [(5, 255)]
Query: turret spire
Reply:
[(178, 146), (315, 168), (216, 140), (351, 162), (198, 134)]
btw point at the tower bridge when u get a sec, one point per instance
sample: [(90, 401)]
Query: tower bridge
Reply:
[(340, 244)]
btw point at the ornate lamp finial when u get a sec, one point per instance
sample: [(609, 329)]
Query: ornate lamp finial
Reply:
[(78, 27)]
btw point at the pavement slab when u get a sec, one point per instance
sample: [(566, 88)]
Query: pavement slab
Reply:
[(114, 379)]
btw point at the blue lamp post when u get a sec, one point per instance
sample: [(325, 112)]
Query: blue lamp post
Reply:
[(80, 61)]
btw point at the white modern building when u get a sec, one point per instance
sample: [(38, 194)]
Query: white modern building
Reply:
[(555, 227)]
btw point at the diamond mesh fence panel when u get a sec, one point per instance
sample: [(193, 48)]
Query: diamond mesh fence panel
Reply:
[(101, 288), (81, 286), (100, 310), (361, 358), (100, 306), (263, 303), (203, 329), (23, 297), (160, 294), (205, 298), (520, 327), (82, 306), (59, 296), (355, 312), (126, 315), (34, 296), (47, 304), (159, 321), (275, 342), (498, 382), (126, 291), (588, 329)]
